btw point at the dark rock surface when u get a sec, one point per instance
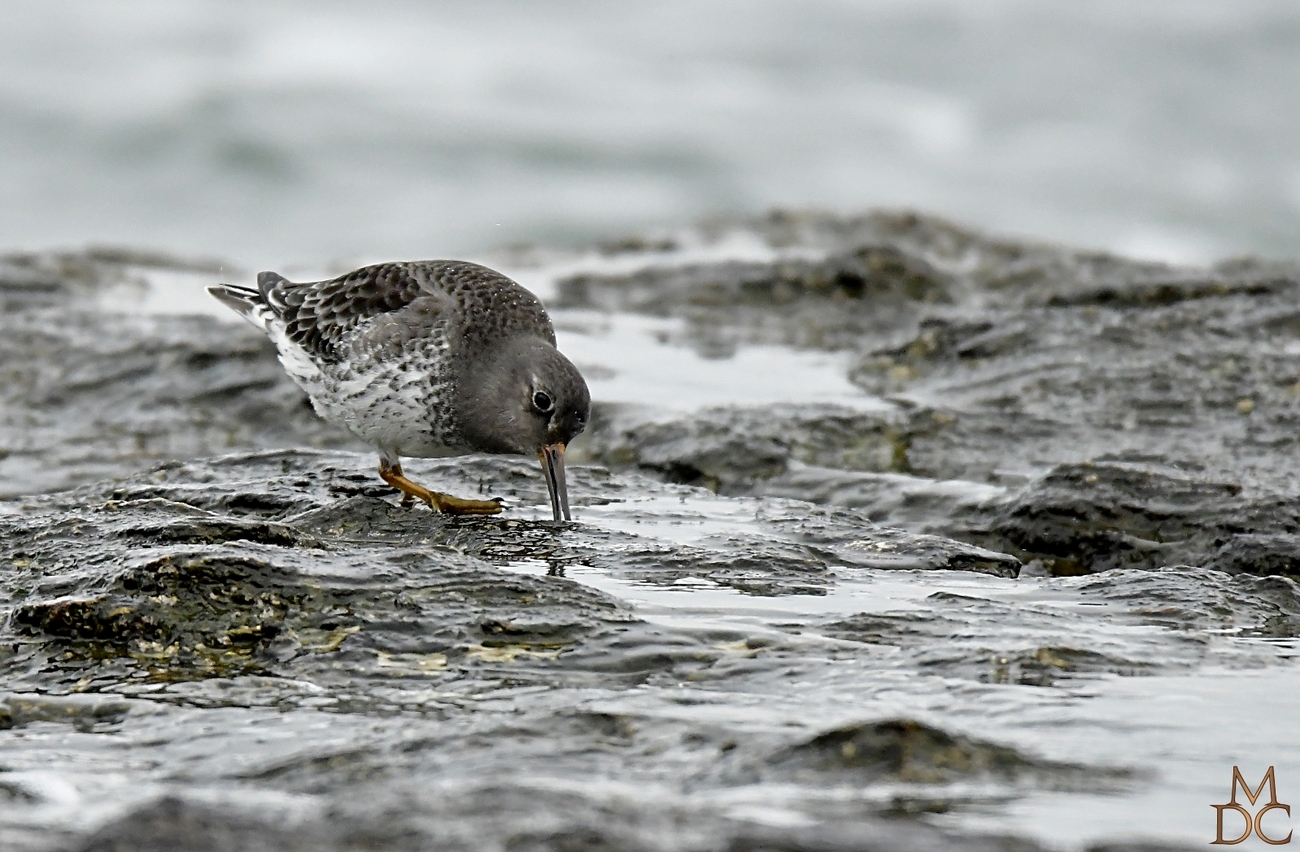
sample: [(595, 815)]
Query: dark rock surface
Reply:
[(90, 388), (285, 580), (261, 564), (803, 627), (1134, 413)]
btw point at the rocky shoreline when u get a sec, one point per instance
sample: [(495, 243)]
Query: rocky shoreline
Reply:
[(777, 626)]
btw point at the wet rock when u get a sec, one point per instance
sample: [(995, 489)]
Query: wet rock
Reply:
[(923, 768), (269, 629), (882, 267), (1094, 517), (1147, 435), (956, 644), (90, 391), (907, 751), (867, 837), (823, 530), (1013, 369), (1032, 642), (191, 613), (174, 825), (159, 574), (1048, 666), (872, 273), (912, 502), (734, 450), (1098, 516), (1266, 554), (85, 713), (1245, 605), (1183, 385), (1016, 364), (827, 302), (279, 579)]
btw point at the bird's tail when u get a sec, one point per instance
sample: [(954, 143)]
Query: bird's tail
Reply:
[(240, 299), (256, 305)]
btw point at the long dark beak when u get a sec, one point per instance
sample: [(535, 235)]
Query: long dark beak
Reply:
[(552, 457)]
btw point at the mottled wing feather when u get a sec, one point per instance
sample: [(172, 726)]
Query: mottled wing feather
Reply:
[(322, 316), (318, 316)]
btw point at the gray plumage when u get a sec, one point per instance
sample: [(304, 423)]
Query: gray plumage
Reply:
[(424, 359)]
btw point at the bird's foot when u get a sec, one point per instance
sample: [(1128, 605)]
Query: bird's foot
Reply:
[(450, 505), (445, 503)]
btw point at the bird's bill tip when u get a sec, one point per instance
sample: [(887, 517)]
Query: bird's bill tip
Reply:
[(552, 456)]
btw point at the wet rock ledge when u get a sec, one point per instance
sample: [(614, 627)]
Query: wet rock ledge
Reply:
[(221, 631), (1075, 409), (265, 563)]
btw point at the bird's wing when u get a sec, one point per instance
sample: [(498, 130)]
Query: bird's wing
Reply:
[(321, 316), (391, 304)]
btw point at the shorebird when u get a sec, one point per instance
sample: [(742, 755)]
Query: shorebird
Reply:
[(426, 359)]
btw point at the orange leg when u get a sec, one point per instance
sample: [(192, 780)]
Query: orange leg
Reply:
[(445, 503)]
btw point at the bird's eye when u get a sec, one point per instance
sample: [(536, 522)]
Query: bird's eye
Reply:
[(542, 402)]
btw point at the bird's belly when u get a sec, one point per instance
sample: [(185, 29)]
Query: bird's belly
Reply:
[(393, 410)]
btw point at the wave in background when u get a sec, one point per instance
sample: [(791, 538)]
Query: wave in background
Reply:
[(298, 131)]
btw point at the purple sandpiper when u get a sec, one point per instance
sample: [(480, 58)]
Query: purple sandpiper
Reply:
[(427, 359)]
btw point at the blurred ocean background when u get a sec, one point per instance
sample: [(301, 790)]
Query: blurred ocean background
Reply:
[(301, 130)]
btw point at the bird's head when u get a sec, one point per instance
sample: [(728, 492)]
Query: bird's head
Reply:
[(525, 398)]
